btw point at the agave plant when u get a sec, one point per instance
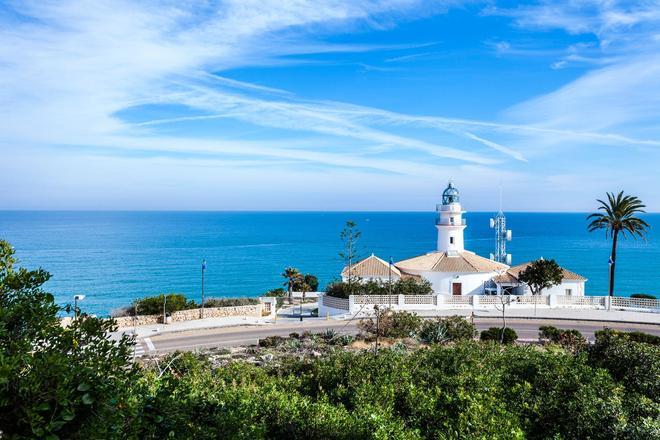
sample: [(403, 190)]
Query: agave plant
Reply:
[(432, 332)]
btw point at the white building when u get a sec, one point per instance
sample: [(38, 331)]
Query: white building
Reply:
[(372, 269), (451, 269), (572, 284)]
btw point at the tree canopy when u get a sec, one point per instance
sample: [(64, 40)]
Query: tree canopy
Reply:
[(541, 274)]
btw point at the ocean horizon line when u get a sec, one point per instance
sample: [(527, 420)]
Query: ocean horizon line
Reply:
[(283, 211)]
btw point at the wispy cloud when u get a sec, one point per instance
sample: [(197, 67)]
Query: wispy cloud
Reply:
[(70, 72)]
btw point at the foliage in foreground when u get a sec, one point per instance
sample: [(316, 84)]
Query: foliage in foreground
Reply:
[(467, 390), (57, 382)]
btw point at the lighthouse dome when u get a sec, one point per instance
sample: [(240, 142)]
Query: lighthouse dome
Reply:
[(450, 194)]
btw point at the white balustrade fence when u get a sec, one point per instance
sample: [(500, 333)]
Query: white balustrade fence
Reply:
[(635, 303), (335, 303), (358, 303)]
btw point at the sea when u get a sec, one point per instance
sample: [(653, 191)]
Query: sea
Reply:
[(114, 258)]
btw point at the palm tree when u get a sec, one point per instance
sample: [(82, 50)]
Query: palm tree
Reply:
[(617, 215), (292, 276)]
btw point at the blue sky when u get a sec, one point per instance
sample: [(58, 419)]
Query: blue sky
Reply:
[(337, 105)]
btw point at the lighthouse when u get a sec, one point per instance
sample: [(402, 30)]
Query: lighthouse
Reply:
[(450, 222)]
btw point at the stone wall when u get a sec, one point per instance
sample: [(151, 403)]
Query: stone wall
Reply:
[(131, 321), (192, 314), (218, 312)]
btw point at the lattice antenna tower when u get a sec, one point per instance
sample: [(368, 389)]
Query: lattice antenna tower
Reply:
[(502, 235)]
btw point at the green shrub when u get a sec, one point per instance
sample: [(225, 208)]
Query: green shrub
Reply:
[(328, 334), (451, 328), (408, 286), (153, 305), (338, 289), (636, 336), (506, 335), (643, 296), (56, 381), (230, 302), (391, 324), (279, 292), (432, 332), (271, 341), (549, 333), (570, 339), (411, 286), (643, 337), (635, 364)]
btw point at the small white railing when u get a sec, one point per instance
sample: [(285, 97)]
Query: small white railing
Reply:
[(530, 300), (377, 299), (635, 303), (489, 300), (357, 303), (335, 303), (419, 299), (457, 300), (585, 301)]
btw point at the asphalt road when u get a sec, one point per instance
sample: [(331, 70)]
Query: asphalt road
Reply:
[(527, 329)]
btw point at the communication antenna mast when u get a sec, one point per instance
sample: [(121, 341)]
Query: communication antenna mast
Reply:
[(502, 235)]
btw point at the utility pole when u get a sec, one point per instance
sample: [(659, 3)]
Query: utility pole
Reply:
[(390, 284), (376, 310), (203, 270), (164, 304)]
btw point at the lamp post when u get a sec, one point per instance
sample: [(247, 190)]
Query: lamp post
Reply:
[(203, 270), (76, 298), (390, 284), (164, 304)]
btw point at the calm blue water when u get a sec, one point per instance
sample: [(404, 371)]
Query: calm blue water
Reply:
[(115, 257)]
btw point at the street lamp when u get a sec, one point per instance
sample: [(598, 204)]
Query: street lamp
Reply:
[(76, 298), (203, 270)]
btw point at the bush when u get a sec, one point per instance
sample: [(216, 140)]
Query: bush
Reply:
[(549, 333), (643, 296), (230, 302), (411, 286), (408, 286), (635, 364), (56, 381), (451, 328), (630, 336), (570, 339), (338, 289), (392, 324), (271, 341), (279, 292), (495, 334), (153, 305)]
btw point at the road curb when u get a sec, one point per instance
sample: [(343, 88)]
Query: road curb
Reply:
[(537, 318), (161, 332)]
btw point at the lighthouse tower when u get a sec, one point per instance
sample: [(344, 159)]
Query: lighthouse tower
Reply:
[(450, 222)]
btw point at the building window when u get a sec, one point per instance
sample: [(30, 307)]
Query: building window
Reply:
[(451, 220), (451, 240), (569, 292)]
